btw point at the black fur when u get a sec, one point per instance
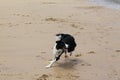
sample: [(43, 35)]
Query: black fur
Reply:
[(60, 45), (68, 39), (65, 39)]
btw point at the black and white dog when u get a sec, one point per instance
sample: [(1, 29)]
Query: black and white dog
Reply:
[(65, 44)]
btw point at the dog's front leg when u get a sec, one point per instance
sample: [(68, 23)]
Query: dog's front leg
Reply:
[(54, 52), (51, 62)]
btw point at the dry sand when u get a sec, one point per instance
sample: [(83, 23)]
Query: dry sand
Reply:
[(27, 29)]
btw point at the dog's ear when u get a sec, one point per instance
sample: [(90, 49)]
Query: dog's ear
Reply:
[(59, 41), (60, 34), (57, 34)]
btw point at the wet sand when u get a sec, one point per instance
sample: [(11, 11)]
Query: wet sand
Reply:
[(115, 4), (27, 36)]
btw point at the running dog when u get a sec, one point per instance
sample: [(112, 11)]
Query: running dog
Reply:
[(65, 44)]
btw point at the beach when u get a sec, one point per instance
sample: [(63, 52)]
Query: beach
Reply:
[(27, 37)]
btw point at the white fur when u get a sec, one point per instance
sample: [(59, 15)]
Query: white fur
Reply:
[(66, 45), (54, 49), (56, 52)]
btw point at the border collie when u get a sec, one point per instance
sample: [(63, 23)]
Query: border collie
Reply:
[(65, 44)]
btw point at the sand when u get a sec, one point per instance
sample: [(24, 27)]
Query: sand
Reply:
[(27, 36)]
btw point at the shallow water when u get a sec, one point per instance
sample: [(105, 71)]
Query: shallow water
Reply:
[(115, 4)]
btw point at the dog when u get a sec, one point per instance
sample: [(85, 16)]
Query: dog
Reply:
[(65, 43)]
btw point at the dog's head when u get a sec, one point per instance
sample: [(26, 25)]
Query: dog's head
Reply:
[(60, 45), (59, 36)]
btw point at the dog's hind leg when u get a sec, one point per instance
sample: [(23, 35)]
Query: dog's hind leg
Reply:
[(70, 53), (66, 51), (66, 55)]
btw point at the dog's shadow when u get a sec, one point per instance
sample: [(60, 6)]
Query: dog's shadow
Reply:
[(69, 63)]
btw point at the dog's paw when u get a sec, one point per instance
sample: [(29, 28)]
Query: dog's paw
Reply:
[(48, 66), (66, 56), (51, 61)]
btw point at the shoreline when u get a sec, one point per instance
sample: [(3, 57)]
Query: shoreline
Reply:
[(109, 4)]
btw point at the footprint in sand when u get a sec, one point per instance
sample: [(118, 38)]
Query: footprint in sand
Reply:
[(13, 25), (25, 15), (58, 76), (51, 19), (43, 77), (91, 52), (48, 3), (43, 52), (117, 50), (74, 26), (85, 64), (16, 14), (55, 19), (113, 55), (28, 23), (78, 55), (1, 24), (73, 76), (77, 33), (22, 15), (81, 28)]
